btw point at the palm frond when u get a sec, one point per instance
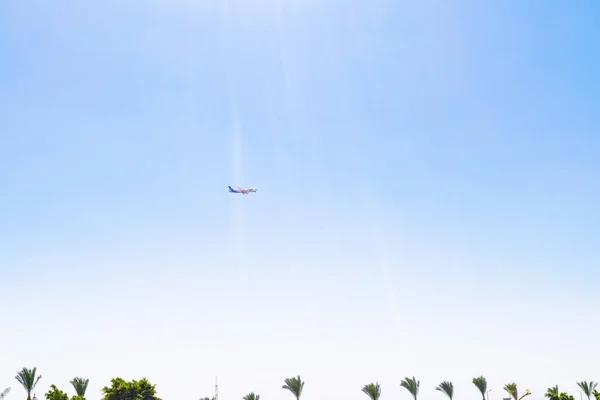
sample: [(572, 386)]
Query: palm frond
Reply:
[(412, 385), (588, 388), (294, 385), (447, 388), (511, 388), (373, 390), (552, 393), (481, 383), (80, 385), (28, 378), (251, 396)]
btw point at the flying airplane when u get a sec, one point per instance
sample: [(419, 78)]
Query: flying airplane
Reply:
[(242, 190)]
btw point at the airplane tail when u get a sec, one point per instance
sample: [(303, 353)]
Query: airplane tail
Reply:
[(230, 189)]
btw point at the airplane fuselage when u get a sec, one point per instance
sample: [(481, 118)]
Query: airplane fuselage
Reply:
[(241, 190)]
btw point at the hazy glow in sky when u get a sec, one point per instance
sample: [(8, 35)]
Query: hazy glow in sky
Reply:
[(428, 195)]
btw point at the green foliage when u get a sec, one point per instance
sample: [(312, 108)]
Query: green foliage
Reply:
[(512, 389), (144, 390), (121, 389), (447, 388), (294, 385), (481, 383), (80, 385), (588, 388), (251, 396), (412, 385), (56, 394), (28, 378), (554, 394), (373, 390)]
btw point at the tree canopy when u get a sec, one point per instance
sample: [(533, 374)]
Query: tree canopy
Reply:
[(80, 385), (56, 394), (481, 383), (412, 385), (554, 394), (447, 388), (28, 378), (373, 390), (251, 396), (121, 389), (295, 386)]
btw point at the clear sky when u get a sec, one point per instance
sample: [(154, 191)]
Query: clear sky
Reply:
[(428, 194)]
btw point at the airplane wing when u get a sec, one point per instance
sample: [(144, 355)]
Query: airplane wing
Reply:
[(239, 188)]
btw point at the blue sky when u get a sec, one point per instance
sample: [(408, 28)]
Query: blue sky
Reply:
[(427, 202)]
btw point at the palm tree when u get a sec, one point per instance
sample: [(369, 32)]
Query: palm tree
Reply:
[(251, 396), (552, 393), (80, 386), (511, 388), (28, 379), (588, 388), (447, 388), (294, 385), (412, 385), (481, 384), (373, 390)]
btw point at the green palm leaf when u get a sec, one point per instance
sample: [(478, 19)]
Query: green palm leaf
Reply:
[(552, 393), (412, 385), (28, 378), (251, 396), (80, 385), (373, 390), (295, 386), (481, 383), (511, 388), (447, 388), (588, 388)]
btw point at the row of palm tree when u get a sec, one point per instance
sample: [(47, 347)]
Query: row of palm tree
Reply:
[(29, 378), (295, 385), (480, 382)]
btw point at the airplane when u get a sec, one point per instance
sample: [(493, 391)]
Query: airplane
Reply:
[(242, 190)]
